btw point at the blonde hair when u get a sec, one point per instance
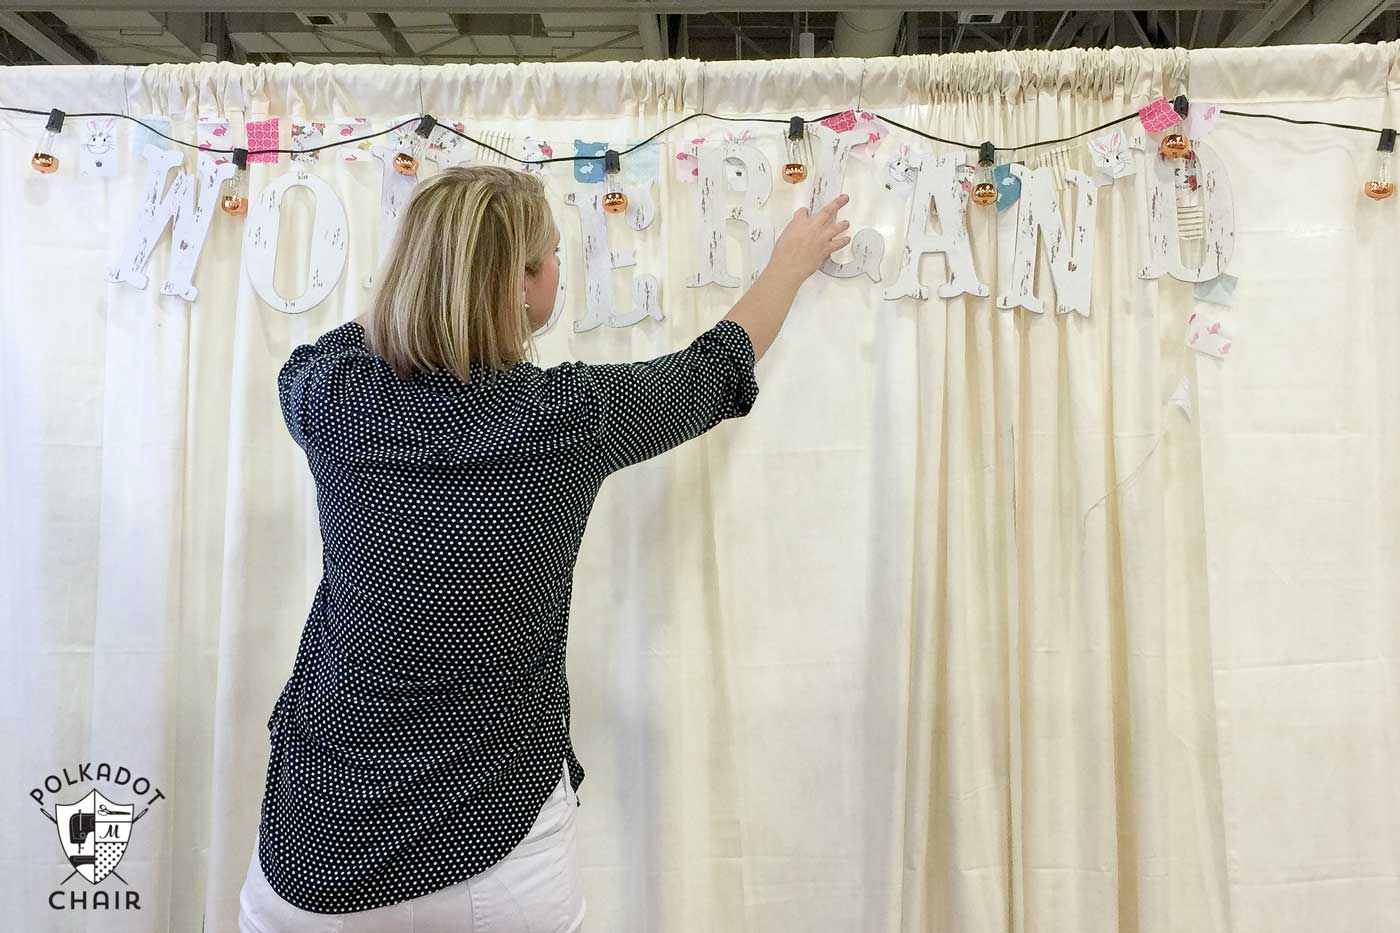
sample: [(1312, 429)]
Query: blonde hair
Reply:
[(450, 291)]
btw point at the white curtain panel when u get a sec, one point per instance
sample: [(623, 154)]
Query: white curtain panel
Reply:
[(977, 622)]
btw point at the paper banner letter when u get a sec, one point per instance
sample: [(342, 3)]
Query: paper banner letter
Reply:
[(935, 181), (329, 242), (1071, 253), (191, 222)]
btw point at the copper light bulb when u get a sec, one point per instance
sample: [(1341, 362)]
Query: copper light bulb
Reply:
[(1176, 146), (1380, 186), (984, 193), (794, 173), (43, 160), (235, 202), (405, 164), (614, 202)]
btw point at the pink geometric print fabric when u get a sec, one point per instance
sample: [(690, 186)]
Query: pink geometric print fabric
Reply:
[(1158, 115), (262, 134)]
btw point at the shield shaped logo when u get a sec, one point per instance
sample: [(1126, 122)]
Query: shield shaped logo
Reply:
[(94, 832)]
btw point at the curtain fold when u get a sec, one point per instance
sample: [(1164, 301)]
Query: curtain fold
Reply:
[(981, 619)]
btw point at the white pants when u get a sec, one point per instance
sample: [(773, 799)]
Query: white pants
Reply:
[(534, 889)]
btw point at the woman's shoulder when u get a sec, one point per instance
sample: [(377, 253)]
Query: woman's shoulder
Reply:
[(351, 335), (345, 341), (561, 386)]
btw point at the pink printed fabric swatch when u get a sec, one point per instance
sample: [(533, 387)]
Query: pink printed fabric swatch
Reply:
[(1158, 116), (841, 122), (1200, 119), (865, 124), (262, 134), (1209, 337), (687, 165), (305, 138), (350, 129), (213, 134)]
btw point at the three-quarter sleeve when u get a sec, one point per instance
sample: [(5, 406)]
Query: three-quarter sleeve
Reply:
[(294, 394), (644, 409)]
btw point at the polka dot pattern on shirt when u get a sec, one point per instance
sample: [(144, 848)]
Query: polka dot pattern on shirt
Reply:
[(427, 712)]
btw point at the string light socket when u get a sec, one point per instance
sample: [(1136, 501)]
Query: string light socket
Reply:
[(44, 161)]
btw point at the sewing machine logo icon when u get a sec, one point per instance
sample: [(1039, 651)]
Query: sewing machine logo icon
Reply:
[(94, 832)]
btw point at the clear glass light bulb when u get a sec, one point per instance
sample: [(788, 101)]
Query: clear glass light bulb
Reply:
[(796, 149), (1379, 186), (43, 159), (235, 202), (799, 156)]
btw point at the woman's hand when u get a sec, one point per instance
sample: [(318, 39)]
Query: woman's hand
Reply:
[(808, 240), (804, 245)]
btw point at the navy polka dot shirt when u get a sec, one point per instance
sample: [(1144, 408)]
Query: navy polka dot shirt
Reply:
[(426, 718)]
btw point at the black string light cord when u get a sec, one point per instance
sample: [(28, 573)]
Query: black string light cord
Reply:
[(1180, 104)]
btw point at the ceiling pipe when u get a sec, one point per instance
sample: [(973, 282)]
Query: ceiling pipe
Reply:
[(865, 33)]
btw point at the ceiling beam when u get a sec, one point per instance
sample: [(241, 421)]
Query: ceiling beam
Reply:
[(1100, 25), (986, 37), (743, 36), (225, 48), (1134, 29), (1332, 21), (1159, 24), (1253, 28), (571, 7), (266, 22), (385, 24), (615, 40), (48, 44), (14, 52), (1205, 33), (1068, 27), (650, 31), (187, 28)]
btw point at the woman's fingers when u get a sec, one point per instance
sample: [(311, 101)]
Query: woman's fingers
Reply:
[(832, 206)]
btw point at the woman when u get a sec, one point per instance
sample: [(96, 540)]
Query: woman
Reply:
[(421, 775)]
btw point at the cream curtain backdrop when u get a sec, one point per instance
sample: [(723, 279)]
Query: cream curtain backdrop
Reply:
[(967, 626)]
